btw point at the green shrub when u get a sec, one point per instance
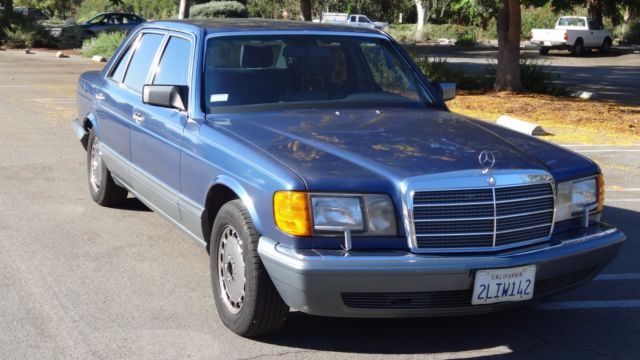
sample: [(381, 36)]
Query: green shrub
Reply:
[(631, 34), (218, 9), (104, 45), (403, 33), (467, 39), (20, 32), (71, 37)]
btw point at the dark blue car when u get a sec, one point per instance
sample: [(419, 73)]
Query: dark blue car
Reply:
[(111, 22), (322, 172)]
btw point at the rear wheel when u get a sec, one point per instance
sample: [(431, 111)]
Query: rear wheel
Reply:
[(544, 51), (246, 299), (606, 46), (578, 48), (103, 189)]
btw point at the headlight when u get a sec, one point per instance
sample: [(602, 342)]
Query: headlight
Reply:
[(572, 197), (337, 213), (367, 214)]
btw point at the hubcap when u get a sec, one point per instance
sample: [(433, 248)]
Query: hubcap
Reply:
[(231, 269), (95, 168)]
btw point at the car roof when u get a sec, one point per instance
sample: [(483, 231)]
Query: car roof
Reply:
[(258, 25)]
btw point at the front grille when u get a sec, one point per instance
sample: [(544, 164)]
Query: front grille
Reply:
[(482, 219), (454, 298)]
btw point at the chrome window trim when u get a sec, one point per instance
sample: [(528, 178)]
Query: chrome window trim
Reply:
[(470, 180)]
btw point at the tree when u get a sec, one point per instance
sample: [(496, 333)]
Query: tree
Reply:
[(305, 10), (421, 10), (508, 26), (184, 9), (594, 7)]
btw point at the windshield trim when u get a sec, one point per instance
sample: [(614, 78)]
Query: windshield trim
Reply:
[(431, 99)]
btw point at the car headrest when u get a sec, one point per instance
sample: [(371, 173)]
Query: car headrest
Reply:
[(257, 56)]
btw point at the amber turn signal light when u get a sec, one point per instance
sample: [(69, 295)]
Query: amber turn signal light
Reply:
[(291, 212), (600, 192)]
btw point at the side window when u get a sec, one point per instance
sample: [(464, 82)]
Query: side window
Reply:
[(174, 65), (141, 61), (120, 68), (353, 19)]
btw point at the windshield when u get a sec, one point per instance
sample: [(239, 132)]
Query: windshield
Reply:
[(289, 71)]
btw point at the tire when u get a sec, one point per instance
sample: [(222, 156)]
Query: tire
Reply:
[(248, 306), (606, 46), (103, 189), (543, 51), (578, 48)]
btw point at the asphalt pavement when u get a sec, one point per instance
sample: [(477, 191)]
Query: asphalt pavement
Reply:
[(79, 281)]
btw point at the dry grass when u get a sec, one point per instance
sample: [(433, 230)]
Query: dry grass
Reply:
[(568, 120)]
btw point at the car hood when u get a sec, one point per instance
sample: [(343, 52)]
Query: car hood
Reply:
[(347, 149)]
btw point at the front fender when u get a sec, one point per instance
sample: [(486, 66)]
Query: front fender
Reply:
[(242, 193)]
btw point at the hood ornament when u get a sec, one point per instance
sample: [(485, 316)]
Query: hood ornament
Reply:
[(486, 160)]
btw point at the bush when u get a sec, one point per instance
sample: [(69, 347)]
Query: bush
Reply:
[(20, 32), (403, 33), (104, 45), (631, 33), (71, 37), (218, 9), (467, 39)]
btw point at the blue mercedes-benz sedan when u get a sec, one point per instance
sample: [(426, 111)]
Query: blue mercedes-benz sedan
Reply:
[(324, 173)]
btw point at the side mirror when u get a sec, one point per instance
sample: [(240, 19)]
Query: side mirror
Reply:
[(447, 90), (170, 96)]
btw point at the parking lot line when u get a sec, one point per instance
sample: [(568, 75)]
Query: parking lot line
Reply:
[(578, 305), (630, 276)]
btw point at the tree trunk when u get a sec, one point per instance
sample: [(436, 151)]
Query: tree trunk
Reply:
[(305, 10), (8, 6), (595, 11), (420, 9), (508, 25), (630, 14), (184, 9)]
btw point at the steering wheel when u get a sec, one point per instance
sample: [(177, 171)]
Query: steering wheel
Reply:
[(351, 82)]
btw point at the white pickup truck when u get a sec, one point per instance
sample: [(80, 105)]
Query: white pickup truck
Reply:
[(574, 33), (353, 20)]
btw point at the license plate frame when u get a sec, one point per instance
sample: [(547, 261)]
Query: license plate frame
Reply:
[(492, 286)]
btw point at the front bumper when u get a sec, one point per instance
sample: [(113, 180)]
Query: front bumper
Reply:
[(403, 284)]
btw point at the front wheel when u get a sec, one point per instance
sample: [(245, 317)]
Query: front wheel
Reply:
[(103, 189), (246, 299)]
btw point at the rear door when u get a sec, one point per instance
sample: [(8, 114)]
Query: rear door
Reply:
[(156, 137)]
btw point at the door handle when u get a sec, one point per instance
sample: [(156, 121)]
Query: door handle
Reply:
[(100, 96), (137, 117)]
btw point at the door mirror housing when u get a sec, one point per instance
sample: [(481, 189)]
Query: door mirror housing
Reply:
[(169, 96), (447, 90)]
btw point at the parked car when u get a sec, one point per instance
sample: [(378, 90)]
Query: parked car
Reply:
[(31, 13), (573, 33), (353, 20), (323, 172), (111, 22)]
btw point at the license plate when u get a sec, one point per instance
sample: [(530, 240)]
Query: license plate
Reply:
[(547, 43), (500, 285)]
